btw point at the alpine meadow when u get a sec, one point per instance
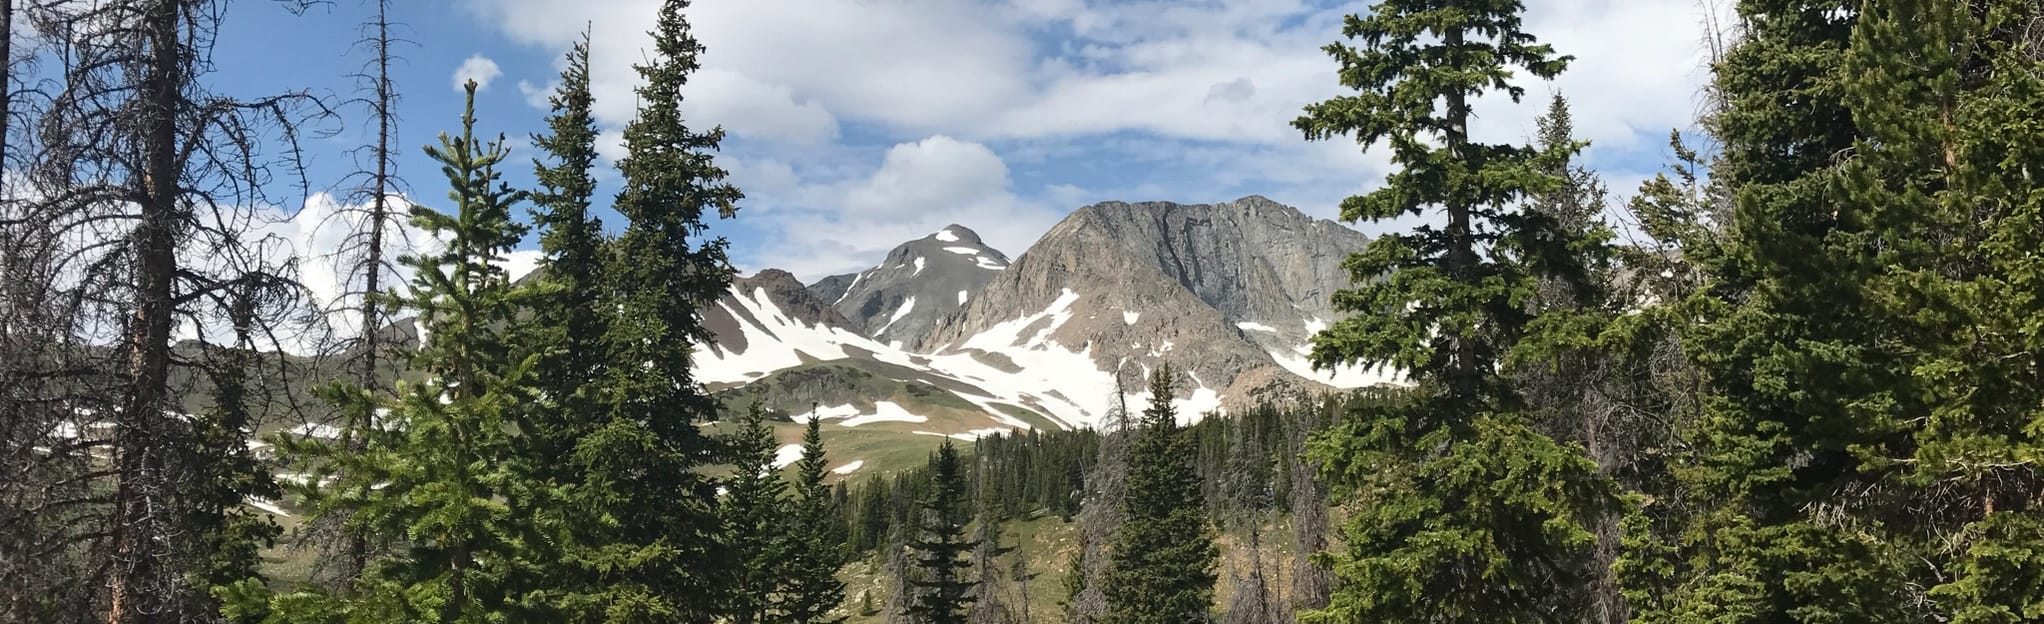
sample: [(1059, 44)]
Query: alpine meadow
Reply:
[(1022, 311)]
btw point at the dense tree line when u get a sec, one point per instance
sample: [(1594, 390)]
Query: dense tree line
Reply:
[(1805, 387), (1796, 395), (513, 473)]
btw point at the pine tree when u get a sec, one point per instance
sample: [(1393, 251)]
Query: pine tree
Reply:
[(756, 522), (437, 478), (1471, 514), (942, 591), (660, 542), (820, 548), (1164, 553)]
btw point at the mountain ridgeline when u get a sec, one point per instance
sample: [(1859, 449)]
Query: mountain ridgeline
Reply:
[(1229, 294)]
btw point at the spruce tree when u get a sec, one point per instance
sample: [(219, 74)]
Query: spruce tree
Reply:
[(819, 547), (566, 321), (1164, 553), (1802, 387), (1468, 512), (660, 544), (436, 480), (942, 591), (756, 522)]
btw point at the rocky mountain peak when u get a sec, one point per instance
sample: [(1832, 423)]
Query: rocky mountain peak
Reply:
[(955, 233), (919, 282), (1227, 292)]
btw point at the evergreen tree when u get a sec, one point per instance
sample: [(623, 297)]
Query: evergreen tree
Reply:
[(756, 522), (1802, 387), (436, 480), (942, 592), (1950, 95), (1469, 513), (567, 321), (230, 534), (1164, 553), (819, 546), (989, 606), (659, 547)]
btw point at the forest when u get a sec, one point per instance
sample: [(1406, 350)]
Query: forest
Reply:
[(1797, 377)]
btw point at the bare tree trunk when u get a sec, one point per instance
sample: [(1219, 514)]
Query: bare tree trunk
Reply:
[(1311, 584), (136, 592), (1101, 512)]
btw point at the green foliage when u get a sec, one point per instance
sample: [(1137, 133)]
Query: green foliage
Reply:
[(652, 548), (1164, 553), (819, 547), (567, 323), (756, 522), (942, 592), (1469, 512), (437, 479), (229, 534)]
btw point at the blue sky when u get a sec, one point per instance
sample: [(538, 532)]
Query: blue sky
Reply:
[(858, 124)]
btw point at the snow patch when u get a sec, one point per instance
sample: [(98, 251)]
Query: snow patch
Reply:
[(919, 267), (833, 411), (268, 506), (1129, 318), (989, 263), (848, 288), (1253, 326), (1345, 377), (961, 297), (1315, 325), (884, 411), (906, 305), (317, 431), (967, 436), (963, 251), (946, 235), (773, 342), (787, 454), (849, 468), (1006, 334)]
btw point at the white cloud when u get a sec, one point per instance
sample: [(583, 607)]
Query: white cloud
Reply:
[(1182, 100), (747, 107), (610, 147), (918, 188), (538, 96), (1230, 71), (478, 68)]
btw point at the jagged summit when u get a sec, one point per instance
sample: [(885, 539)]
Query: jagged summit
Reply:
[(1230, 293), (918, 283), (1227, 292)]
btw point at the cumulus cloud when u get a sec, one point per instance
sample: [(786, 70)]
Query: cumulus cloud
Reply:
[(919, 187), (478, 68), (1187, 101)]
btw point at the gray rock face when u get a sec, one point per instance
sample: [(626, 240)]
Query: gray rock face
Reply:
[(920, 282), (1217, 290)]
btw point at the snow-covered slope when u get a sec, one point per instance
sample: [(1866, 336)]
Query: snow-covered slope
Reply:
[(1228, 294), (1013, 367)]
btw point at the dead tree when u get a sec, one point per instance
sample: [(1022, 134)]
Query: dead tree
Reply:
[(148, 188)]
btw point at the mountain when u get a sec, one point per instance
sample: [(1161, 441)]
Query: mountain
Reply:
[(1230, 293), (921, 282)]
